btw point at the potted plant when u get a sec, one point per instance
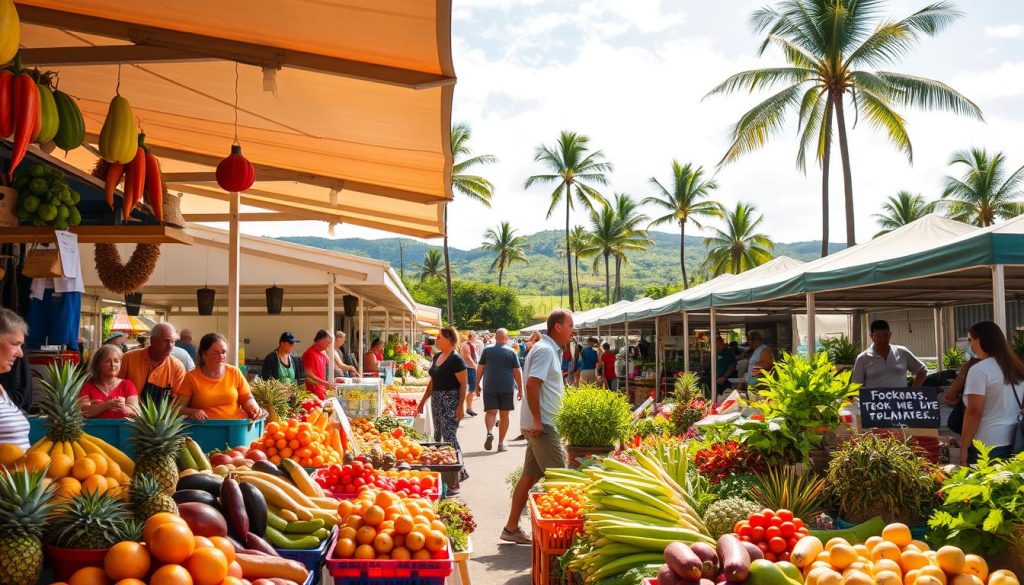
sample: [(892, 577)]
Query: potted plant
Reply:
[(840, 350), (882, 476), (82, 530), (591, 421)]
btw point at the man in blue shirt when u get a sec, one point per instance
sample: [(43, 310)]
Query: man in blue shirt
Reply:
[(725, 364), (499, 373)]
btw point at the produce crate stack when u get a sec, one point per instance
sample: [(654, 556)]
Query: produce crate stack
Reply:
[(551, 539)]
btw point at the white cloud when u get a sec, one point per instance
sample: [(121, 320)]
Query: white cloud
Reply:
[(1009, 31), (1006, 80)]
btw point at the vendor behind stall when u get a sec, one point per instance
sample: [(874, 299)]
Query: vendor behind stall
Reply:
[(215, 389), (280, 364), (13, 424), (153, 370), (105, 395), (314, 362), (885, 365)]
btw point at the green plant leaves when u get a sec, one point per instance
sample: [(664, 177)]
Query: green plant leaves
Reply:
[(593, 417)]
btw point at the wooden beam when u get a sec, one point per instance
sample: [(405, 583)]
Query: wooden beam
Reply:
[(190, 177), (276, 216), (106, 55), (100, 234), (315, 265), (231, 50)]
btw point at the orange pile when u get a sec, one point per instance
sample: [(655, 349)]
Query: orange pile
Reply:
[(396, 442), (311, 444), (92, 472), (561, 502), (383, 525)]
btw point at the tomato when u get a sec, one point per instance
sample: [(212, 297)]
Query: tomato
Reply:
[(802, 532), (798, 523), (744, 529), (358, 482), (777, 544), (786, 515), (763, 546), (791, 543), (772, 532), (757, 521), (757, 534), (769, 556), (745, 537), (775, 521), (788, 529)]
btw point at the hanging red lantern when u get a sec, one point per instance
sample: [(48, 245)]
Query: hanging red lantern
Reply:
[(235, 173)]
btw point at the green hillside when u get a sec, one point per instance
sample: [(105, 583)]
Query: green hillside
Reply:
[(544, 274)]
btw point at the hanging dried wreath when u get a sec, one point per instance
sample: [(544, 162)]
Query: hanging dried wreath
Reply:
[(125, 278)]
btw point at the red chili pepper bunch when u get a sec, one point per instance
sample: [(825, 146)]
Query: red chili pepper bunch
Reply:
[(20, 114), (721, 460)]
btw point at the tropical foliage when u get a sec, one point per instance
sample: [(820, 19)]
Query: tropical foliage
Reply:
[(985, 191), (903, 208), (433, 265), (575, 171), (614, 232), (466, 184), (738, 246), (507, 247), (835, 52), (477, 305)]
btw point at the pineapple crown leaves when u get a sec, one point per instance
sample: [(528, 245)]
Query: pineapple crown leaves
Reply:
[(143, 488), (91, 519), (25, 501), (159, 429), (61, 407)]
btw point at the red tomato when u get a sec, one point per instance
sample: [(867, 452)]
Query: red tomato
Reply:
[(744, 530), (358, 482), (786, 515), (763, 546), (772, 532), (756, 534), (791, 543), (798, 523), (775, 521), (769, 556), (788, 529), (777, 545), (745, 537), (756, 521)]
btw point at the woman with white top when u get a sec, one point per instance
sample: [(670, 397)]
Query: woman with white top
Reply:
[(761, 358), (992, 394), (13, 424)]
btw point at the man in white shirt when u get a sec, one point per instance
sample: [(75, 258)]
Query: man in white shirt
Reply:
[(544, 387), (884, 365)]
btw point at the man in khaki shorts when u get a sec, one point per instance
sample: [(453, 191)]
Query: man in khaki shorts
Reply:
[(543, 373)]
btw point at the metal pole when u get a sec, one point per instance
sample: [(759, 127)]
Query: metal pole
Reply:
[(999, 296), (812, 338), (626, 333), (330, 328), (657, 358), (937, 317), (234, 250), (686, 342), (714, 358), (361, 333), (387, 325)]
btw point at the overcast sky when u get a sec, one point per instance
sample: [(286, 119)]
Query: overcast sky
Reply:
[(631, 75)]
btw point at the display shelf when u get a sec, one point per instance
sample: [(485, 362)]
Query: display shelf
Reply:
[(100, 234)]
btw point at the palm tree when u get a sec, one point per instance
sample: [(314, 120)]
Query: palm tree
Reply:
[(738, 247), (688, 200), (507, 246), (984, 192), (432, 267), (903, 208), (827, 44), (574, 170), (602, 242), (472, 186), (630, 238), (579, 239)]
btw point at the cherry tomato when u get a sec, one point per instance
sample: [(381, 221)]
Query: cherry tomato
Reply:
[(786, 515), (791, 543), (757, 534), (770, 556), (358, 482), (744, 530), (775, 521), (777, 545), (745, 537), (788, 529), (757, 521), (763, 546), (772, 532), (802, 532), (798, 523)]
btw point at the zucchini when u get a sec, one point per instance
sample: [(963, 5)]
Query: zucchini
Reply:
[(855, 534)]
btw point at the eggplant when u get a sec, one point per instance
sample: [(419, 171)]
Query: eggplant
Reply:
[(234, 508), (268, 467), (255, 509), (203, 497), (257, 543), (734, 557), (201, 481)]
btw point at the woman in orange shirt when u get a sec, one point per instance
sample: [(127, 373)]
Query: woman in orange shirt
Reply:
[(216, 390)]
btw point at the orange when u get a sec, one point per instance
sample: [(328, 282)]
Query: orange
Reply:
[(208, 566), (94, 483), (383, 543), (403, 524), (401, 554), (436, 540), (1003, 577), (37, 460), (932, 572), (83, 468), (928, 580), (833, 542), (171, 575), (842, 555), (966, 579), (347, 532), (888, 565), (421, 555), (885, 550), (231, 580), (113, 469), (977, 566), (888, 578), (89, 576), (912, 559), (127, 560), (898, 534), (365, 552), (60, 466), (130, 582), (374, 515), (439, 526), (951, 559), (344, 508), (100, 461), (10, 454), (415, 541), (872, 542), (157, 520), (68, 487), (365, 534), (910, 577), (345, 548), (225, 547), (235, 570), (173, 543)]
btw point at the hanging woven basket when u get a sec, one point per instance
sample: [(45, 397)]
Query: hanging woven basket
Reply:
[(125, 278)]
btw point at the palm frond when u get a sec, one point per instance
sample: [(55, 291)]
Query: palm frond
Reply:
[(928, 94), (760, 123), (880, 116), (757, 79)]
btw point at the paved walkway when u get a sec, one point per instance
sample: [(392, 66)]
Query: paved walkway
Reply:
[(493, 562)]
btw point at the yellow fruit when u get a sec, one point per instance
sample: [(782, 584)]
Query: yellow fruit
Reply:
[(805, 551), (60, 466), (951, 559), (885, 550), (912, 547), (860, 565), (910, 577), (862, 551), (830, 577), (814, 574), (888, 565), (921, 545), (842, 555), (37, 460), (966, 579), (113, 469), (872, 542), (100, 461), (928, 580), (932, 571), (977, 566), (83, 468), (912, 559), (887, 578), (9, 454), (824, 556), (898, 534), (857, 578), (833, 542), (94, 483), (1001, 577)]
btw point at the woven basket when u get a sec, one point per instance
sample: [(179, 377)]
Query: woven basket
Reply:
[(1013, 557)]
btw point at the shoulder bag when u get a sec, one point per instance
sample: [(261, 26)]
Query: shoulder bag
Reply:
[(42, 263), (1018, 431)]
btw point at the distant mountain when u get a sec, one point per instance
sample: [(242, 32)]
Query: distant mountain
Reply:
[(544, 274)]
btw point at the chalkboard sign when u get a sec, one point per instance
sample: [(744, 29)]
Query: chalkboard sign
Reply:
[(891, 408)]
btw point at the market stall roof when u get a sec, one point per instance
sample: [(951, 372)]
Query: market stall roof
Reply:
[(617, 315), (909, 252), (303, 272), (578, 317), (359, 120), (428, 317)]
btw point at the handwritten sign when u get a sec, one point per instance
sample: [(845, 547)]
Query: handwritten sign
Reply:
[(891, 408)]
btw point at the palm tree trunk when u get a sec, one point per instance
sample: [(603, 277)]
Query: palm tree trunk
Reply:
[(844, 152), (825, 159), (618, 279), (568, 256), (448, 271), (682, 254), (501, 272), (576, 266), (607, 282)]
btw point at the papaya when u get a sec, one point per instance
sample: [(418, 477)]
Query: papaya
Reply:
[(71, 124), (48, 116), (855, 535), (119, 138), (765, 572), (10, 31)]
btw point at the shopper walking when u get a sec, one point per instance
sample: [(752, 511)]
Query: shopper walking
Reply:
[(544, 389), (993, 394), (500, 375), (606, 368), (448, 388), (469, 353), (588, 362)]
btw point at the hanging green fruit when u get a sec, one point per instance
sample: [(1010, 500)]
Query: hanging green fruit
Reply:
[(71, 127), (119, 137), (10, 31), (48, 115)]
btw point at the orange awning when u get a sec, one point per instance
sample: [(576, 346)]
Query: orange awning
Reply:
[(357, 133)]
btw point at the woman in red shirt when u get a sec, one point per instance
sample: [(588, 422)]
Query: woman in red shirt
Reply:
[(105, 395), (606, 368)]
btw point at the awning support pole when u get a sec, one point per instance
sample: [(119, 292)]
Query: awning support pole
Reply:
[(657, 359), (714, 357), (812, 336), (387, 325), (626, 334), (361, 333), (331, 328), (234, 250), (999, 297), (937, 317), (686, 342)]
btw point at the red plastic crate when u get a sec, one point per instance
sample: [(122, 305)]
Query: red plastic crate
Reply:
[(433, 496), (551, 538), (415, 571)]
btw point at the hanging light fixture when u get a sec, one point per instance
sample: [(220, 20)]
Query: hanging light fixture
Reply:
[(235, 173), (204, 300), (351, 304), (133, 304), (275, 300)]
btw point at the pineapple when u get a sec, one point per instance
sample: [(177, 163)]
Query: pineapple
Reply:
[(61, 405), (147, 498), (24, 507), (90, 520), (159, 436)]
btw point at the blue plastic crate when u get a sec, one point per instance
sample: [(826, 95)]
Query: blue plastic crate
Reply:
[(115, 431), (918, 532), (313, 558), (228, 433)]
